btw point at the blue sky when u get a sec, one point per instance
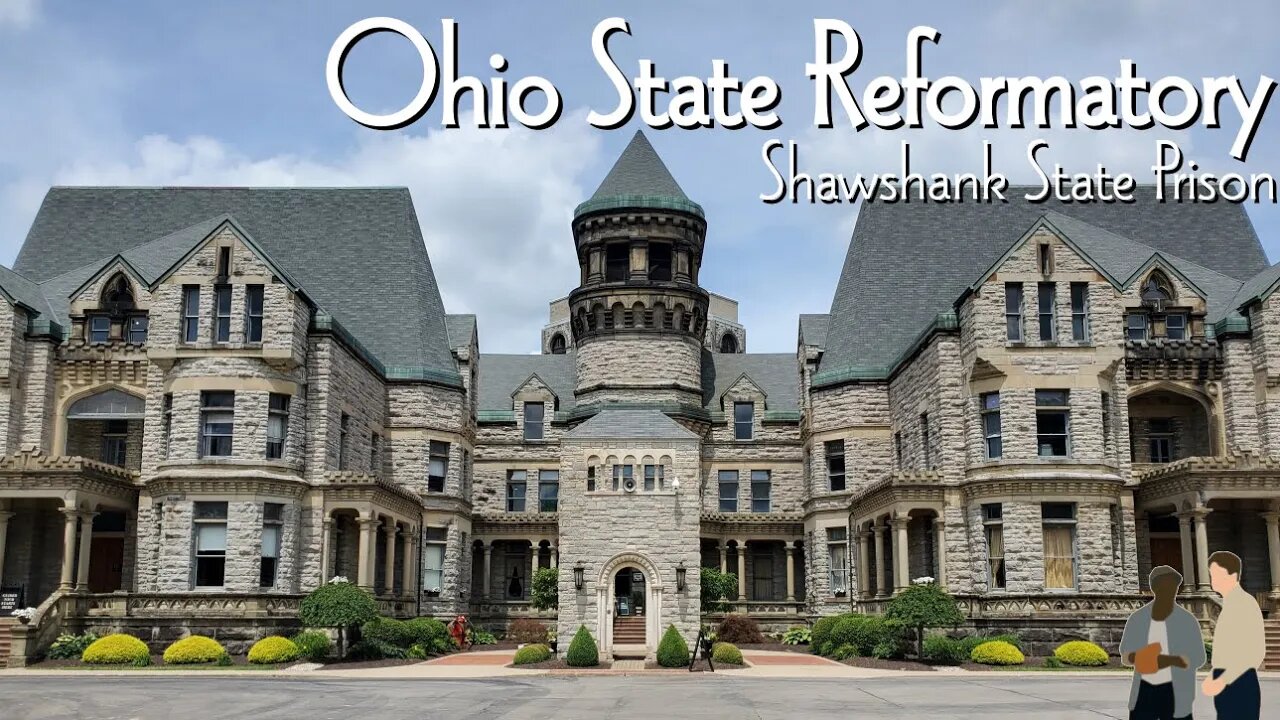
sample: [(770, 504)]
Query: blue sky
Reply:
[(205, 93)]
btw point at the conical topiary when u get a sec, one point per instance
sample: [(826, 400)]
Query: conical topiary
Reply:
[(582, 650), (673, 651)]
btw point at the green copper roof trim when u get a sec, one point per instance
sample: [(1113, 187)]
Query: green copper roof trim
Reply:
[(582, 412), (781, 416), (43, 327), (1230, 325), (325, 323), (495, 416), (639, 202), (943, 322)]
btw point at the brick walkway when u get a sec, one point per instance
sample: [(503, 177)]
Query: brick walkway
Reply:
[(488, 657)]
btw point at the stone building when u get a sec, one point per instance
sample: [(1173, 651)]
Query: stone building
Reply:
[(213, 400)]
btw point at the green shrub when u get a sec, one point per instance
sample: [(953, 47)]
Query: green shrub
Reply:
[(844, 652), (740, 629), (313, 645), (821, 633), (1081, 653), (482, 637), (194, 650), (672, 650), (430, 633), (70, 646), (798, 635), (224, 660), (368, 649), (1052, 662), (418, 651), (997, 652), (921, 606), (388, 630), (716, 588), (582, 649), (973, 641), (888, 649), (526, 631), (544, 593), (534, 653), (726, 653), (337, 605), (943, 650), (272, 650), (865, 633), (117, 649)]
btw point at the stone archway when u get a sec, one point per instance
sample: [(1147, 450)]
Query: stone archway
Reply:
[(606, 599)]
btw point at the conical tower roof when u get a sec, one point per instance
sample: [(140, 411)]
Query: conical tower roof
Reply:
[(639, 179)]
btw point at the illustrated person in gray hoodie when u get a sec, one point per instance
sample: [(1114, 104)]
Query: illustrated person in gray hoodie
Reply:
[(1162, 643)]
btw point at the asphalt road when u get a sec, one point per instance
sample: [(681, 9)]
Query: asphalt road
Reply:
[(574, 698)]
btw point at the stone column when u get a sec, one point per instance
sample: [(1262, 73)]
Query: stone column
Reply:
[(4, 531), (901, 558), (534, 550), (409, 572), (724, 555), (864, 564), (1202, 549), (940, 553), (742, 571), (86, 542), (389, 560), (1188, 557), (326, 549), (791, 571), (364, 561), (488, 567), (555, 561), (1273, 547), (882, 586), (70, 519)]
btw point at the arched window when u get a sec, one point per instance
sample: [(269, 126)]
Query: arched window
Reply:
[(728, 343), (557, 344), (1156, 291), (117, 296), (108, 404)]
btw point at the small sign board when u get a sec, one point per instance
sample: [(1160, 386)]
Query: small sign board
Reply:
[(624, 607), (637, 577), (10, 599)]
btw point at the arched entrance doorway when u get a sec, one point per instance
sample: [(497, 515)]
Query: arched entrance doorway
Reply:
[(629, 598)]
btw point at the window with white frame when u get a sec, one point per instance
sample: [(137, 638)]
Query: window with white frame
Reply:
[(190, 313), (838, 553), (743, 417), (1053, 423), (623, 477), (517, 482), (993, 530), (437, 465), (1136, 326), (1013, 311), (1175, 326), (210, 521), (761, 491), (253, 313), (433, 548), (993, 441), (277, 424), (1059, 525), (272, 532), (653, 477), (534, 415), (217, 422), (99, 329), (834, 450), (728, 483), (136, 329)]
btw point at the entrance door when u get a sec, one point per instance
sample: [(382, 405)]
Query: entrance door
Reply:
[(628, 592), (106, 564), (1167, 551)]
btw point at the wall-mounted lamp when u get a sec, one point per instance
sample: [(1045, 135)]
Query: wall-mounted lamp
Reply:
[(680, 576), (578, 572)]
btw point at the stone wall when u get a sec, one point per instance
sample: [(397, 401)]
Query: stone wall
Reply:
[(628, 363)]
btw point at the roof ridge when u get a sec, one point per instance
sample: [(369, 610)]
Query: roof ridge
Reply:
[(1154, 250), (98, 264)]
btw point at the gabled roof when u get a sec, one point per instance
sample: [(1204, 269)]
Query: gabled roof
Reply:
[(813, 329), (1258, 288), (461, 328), (908, 262), (357, 252), (501, 375), (19, 290), (743, 378), (625, 424), (530, 379), (639, 179), (775, 374)]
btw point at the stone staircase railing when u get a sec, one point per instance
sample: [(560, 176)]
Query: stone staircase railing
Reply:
[(26, 642)]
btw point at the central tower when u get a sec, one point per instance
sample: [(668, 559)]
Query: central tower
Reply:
[(638, 315)]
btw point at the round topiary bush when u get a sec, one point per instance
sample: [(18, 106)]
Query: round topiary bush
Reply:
[(118, 649), (337, 604), (582, 650), (1081, 653), (727, 653), (193, 650), (272, 650), (313, 645), (530, 654), (997, 652), (672, 650)]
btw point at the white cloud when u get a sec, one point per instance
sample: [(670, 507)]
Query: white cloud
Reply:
[(19, 13), (494, 206)]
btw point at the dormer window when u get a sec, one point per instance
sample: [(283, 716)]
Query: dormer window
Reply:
[(1136, 326), (1175, 326), (743, 417), (99, 329), (136, 329)]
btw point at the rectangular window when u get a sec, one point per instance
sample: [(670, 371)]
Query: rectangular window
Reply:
[(1175, 326), (167, 415), (617, 262), (651, 473), (99, 329), (344, 426), (136, 333), (1047, 300), (437, 465), (217, 422), (272, 529), (743, 415), (190, 313), (897, 449), (1080, 311), (533, 417), (1136, 326), (991, 425), (835, 465), (253, 313), (1106, 423), (1160, 439), (277, 424), (464, 471), (516, 485), (210, 519), (591, 478), (115, 443), (433, 559), (993, 529), (659, 262), (761, 490), (375, 453), (925, 446), (548, 490), (728, 490), (1053, 423), (1046, 259), (838, 554), (1059, 524), (222, 314), (1013, 311), (223, 268)]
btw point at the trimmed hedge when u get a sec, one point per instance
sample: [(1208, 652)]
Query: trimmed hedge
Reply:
[(582, 650), (997, 652), (118, 649), (1081, 653), (340, 605), (869, 635), (530, 654), (672, 650), (272, 650), (313, 645), (738, 628), (194, 650), (820, 634), (727, 653)]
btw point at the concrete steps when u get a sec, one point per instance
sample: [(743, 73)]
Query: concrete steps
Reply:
[(1272, 629)]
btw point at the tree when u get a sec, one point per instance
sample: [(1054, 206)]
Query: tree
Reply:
[(924, 605), (544, 594), (582, 650), (717, 588), (338, 605)]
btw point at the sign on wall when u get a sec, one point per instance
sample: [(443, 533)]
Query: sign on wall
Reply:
[(10, 600)]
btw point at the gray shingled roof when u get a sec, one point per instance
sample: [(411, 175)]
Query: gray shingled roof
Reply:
[(1257, 286), (500, 375), (775, 373), (357, 252), (628, 424), (908, 262), (22, 290), (813, 329), (462, 328), (639, 179)]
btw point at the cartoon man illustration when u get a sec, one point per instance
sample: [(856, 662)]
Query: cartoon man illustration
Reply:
[(1163, 644), (1239, 643)]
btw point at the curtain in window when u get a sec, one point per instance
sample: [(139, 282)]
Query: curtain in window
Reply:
[(1059, 557), (433, 576), (995, 555)]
